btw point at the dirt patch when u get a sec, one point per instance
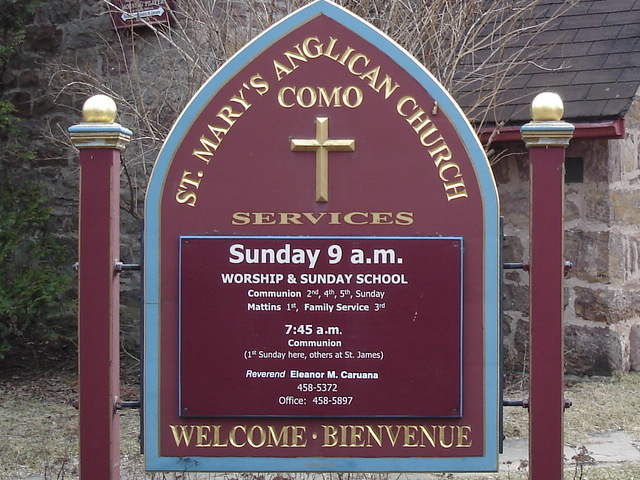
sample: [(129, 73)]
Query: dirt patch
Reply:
[(39, 434)]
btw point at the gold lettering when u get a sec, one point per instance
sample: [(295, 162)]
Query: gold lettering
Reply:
[(202, 436), (290, 218), (388, 89), (404, 436), (355, 102), (348, 218), (356, 64), (329, 218), (259, 83), (317, 47), (377, 436), (372, 76), (463, 436), (216, 438), (281, 99), (276, 439), (404, 218), (241, 218), (281, 70), (343, 435), (343, 58), (186, 197), (459, 190), (423, 120), (382, 218), (329, 51), (424, 430), (313, 217), (190, 181), (419, 115), (241, 100), (356, 436), (426, 134), (330, 438), (229, 115), (232, 436), (442, 436), (261, 439), (239, 436), (297, 436), (410, 436), (182, 433), (335, 218), (354, 59), (266, 218), (218, 133), (206, 154), (440, 153), (311, 95), (401, 103), (392, 437), (446, 166), (330, 100), (297, 55)]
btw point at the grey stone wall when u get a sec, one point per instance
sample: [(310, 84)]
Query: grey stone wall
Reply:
[(72, 52), (66, 36), (602, 240)]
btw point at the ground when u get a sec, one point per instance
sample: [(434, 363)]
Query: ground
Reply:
[(38, 431)]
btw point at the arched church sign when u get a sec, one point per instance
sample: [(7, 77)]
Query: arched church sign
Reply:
[(321, 265)]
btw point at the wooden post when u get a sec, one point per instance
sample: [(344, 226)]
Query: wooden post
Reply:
[(546, 137), (100, 142)]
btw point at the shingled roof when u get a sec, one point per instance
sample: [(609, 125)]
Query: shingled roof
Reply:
[(592, 60)]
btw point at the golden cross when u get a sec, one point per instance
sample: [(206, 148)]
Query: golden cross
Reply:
[(322, 145)]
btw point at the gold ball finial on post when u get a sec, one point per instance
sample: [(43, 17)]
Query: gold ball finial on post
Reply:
[(99, 130), (547, 107), (547, 128), (99, 109)]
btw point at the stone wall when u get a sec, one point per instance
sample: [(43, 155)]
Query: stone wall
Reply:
[(72, 52), (602, 223), (66, 37)]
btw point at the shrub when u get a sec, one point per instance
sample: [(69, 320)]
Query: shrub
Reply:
[(35, 276)]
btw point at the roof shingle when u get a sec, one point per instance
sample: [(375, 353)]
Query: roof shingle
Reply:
[(590, 57)]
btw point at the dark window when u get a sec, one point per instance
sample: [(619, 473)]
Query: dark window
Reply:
[(574, 170)]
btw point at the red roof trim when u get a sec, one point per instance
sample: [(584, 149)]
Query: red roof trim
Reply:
[(610, 129)]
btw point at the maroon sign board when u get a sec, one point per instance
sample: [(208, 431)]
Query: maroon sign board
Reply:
[(321, 265), (319, 326)]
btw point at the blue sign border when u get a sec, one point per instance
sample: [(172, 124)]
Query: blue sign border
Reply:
[(489, 460)]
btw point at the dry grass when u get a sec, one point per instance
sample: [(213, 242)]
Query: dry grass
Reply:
[(38, 427), (600, 404), (38, 431)]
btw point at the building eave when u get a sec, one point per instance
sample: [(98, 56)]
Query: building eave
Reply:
[(607, 129)]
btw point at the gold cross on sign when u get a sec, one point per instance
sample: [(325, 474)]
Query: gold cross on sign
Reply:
[(322, 145)]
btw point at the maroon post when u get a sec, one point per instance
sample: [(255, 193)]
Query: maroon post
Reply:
[(99, 141), (546, 137)]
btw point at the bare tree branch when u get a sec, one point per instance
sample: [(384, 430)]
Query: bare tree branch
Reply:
[(475, 48)]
